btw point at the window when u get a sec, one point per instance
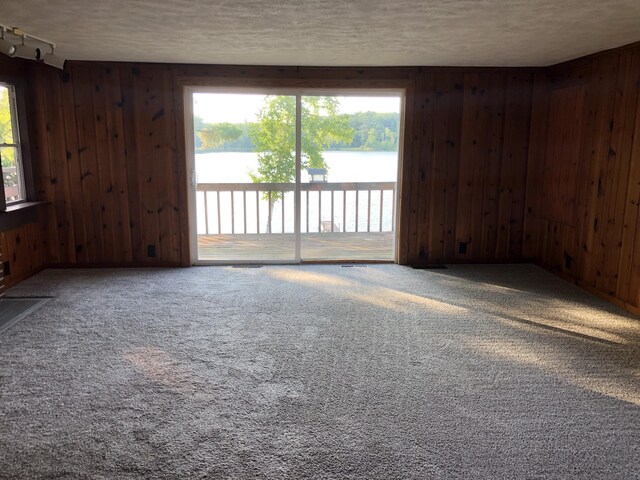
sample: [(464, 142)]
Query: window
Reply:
[(10, 148), (18, 205), (289, 177)]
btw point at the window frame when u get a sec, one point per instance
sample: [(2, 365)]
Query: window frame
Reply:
[(189, 88), (15, 145), (18, 107)]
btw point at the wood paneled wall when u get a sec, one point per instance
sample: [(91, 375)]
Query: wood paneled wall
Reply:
[(104, 141), (14, 68), (467, 166), (25, 251), (109, 139), (584, 177)]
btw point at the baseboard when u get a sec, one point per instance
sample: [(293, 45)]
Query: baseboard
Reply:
[(464, 261), (610, 298), (594, 291), (116, 265), (12, 282)]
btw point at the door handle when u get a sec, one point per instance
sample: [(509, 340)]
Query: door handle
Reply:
[(194, 178)]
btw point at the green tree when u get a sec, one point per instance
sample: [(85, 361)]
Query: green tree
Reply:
[(372, 139), (198, 124), (275, 139), (373, 131), (274, 136), (7, 154), (213, 135), (6, 129)]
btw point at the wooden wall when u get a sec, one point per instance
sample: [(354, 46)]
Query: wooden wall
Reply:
[(584, 176), (109, 139), (25, 251), (467, 166), (104, 141)]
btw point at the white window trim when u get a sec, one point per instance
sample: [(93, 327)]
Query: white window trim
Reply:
[(17, 144), (190, 90)]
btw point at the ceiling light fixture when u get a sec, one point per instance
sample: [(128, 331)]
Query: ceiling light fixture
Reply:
[(6, 46), (53, 60), (33, 51), (25, 51)]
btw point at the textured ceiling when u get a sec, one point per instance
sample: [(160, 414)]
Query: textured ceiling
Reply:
[(329, 32)]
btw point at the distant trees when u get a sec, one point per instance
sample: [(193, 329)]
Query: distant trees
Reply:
[(371, 131), (217, 134)]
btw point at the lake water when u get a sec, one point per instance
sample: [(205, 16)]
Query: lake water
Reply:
[(233, 167)]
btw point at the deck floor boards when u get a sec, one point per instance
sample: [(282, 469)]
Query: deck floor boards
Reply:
[(360, 246)]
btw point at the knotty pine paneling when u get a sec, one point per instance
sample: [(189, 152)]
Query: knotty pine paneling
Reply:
[(472, 139), (105, 143), (585, 170), (13, 68), (25, 250)]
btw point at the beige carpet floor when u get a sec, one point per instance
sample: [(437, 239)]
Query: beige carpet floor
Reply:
[(377, 372)]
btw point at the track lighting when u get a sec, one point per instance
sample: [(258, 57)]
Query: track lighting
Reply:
[(54, 60), (25, 51), (6, 46), (34, 51)]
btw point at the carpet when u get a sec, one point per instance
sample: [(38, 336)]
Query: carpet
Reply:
[(319, 371)]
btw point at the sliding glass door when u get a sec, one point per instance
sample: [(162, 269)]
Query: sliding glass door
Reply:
[(280, 178), (350, 170), (244, 199)]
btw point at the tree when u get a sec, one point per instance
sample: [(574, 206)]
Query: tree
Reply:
[(198, 124), (214, 135), (274, 135), (275, 139), (7, 154), (6, 127)]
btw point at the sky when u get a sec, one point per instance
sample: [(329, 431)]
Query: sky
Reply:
[(238, 108)]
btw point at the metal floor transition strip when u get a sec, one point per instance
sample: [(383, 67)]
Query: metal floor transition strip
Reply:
[(14, 309)]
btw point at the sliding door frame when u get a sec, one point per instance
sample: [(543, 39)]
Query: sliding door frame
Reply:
[(190, 90)]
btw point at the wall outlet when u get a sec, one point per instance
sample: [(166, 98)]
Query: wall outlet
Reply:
[(151, 251), (568, 261), (6, 267), (462, 248)]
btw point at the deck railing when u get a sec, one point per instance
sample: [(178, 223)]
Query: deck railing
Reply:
[(268, 207)]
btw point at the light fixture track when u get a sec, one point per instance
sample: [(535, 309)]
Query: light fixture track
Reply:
[(11, 48)]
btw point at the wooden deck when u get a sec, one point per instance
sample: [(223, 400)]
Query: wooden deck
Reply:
[(361, 246)]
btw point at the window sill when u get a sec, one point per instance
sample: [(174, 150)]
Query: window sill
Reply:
[(19, 214)]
